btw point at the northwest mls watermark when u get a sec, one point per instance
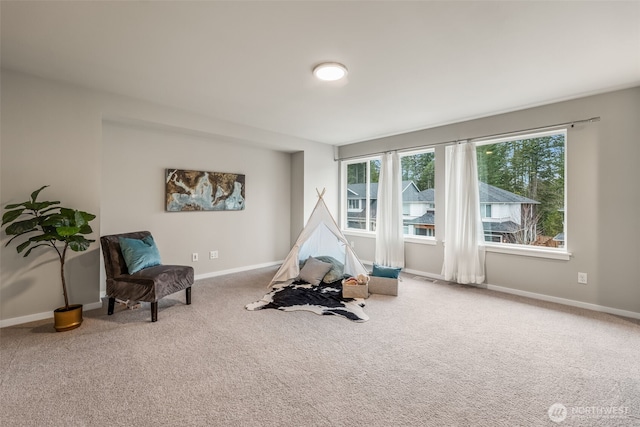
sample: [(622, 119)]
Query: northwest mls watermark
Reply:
[(558, 412)]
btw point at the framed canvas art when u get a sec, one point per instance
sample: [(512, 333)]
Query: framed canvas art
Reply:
[(188, 190)]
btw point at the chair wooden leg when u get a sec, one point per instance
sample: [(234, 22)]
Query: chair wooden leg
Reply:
[(154, 311), (188, 290), (112, 303)]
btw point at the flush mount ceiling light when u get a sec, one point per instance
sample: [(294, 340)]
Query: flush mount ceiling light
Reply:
[(330, 71)]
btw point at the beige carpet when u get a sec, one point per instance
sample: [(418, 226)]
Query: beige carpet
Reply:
[(436, 355)]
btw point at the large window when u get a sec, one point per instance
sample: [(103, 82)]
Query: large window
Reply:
[(418, 193), (521, 186), (522, 189)]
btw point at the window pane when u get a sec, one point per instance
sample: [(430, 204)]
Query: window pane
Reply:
[(374, 170), (522, 190), (356, 192), (361, 194), (418, 196)]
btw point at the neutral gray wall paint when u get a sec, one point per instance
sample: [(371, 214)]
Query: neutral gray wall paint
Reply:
[(52, 133), (297, 193), (603, 226), (134, 160)]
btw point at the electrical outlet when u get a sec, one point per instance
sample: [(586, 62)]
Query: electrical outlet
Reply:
[(213, 254), (582, 278), (194, 256), (353, 244)]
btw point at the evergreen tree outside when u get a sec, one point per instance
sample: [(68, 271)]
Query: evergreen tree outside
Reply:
[(419, 168), (532, 168), (357, 172)]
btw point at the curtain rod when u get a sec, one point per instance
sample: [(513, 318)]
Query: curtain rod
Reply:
[(476, 138)]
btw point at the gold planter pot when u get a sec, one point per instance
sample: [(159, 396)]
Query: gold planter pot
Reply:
[(66, 319)]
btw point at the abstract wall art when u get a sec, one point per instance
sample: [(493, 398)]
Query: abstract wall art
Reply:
[(188, 190)]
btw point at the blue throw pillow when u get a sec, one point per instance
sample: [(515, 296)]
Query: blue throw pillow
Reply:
[(139, 253), (381, 271)]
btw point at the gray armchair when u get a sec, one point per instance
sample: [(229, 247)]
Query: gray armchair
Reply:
[(149, 285)]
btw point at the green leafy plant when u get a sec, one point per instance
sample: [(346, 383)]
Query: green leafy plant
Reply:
[(54, 226)]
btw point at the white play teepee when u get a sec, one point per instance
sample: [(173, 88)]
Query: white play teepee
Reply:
[(320, 237)]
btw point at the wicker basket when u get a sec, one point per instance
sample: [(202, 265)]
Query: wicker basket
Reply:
[(355, 291)]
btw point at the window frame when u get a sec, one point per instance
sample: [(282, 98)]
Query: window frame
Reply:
[(527, 251), (344, 204), (561, 253), (416, 238)]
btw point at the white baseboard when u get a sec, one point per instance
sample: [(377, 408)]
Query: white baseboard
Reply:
[(594, 307), (570, 302), (236, 270), (41, 316), (423, 273), (92, 306), (542, 297)]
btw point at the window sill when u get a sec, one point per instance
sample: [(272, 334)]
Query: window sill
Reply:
[(357, 233), (521, 250), (421, 240), (529, 251), (411, 239)]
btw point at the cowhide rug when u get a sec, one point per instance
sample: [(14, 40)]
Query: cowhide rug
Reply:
[(325, 299)]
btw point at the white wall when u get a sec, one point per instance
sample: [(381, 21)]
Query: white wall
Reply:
[(417, 209), (603, 227), (57, 134), (312, 172), (321, 174)]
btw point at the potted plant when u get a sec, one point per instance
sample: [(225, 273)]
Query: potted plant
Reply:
[(48, 224)]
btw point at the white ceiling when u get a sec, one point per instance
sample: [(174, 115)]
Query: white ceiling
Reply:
[(412, 65)]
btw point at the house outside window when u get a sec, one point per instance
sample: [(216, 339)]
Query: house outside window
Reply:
[(418, 195), (522, 189), (418, 192), (361, 190)]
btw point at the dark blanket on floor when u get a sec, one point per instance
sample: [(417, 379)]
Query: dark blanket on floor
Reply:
[(325, 299)]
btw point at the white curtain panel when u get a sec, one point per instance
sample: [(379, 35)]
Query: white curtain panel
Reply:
[(463, 235), (389, 235)]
